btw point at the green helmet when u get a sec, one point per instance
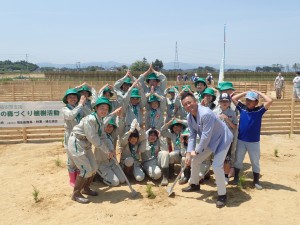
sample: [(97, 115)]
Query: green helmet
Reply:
[(186, 88), (171, 90), (135, 93), (176, 87), (103, 100), (152, 76), (106, 89), (186, 132), (85, 88), (176, 122), (112, 122), (153, 98), (209, 91), (71, 91), (202, 80), (226, 85), (127, 80)]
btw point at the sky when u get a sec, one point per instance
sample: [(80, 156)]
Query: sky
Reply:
[(258, 32)]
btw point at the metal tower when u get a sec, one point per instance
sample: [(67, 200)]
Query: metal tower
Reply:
[(176, 62)]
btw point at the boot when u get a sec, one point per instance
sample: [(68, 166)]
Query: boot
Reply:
[(165, 175), (72, 176), (79, 184), (128, 171), (86, 188), (171, 171), (221, 202), (187, 175), (236, 176), (97, 178), (256, 181), (231, 172), (191, 188), (170, 148)]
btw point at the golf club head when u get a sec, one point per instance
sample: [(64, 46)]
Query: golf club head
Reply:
[(134, 194), (170, 191)]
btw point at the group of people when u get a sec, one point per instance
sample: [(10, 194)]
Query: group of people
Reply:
[(209, 78), (279, 85), (156, 127)]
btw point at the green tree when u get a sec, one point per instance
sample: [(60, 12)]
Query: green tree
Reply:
[(158, 65), (47, 69), (140, 65), (121, 68), (94, 68), (296, 66), (7, 65), (209, 69)]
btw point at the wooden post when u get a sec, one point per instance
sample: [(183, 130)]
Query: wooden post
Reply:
[(292, 115), (13, 91), (32, 91), (24, 135), (51, 90)]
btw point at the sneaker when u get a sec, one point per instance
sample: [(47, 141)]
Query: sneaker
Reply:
[(231, 172), (221, 202), (226, 181), (191, 188), (258, 187)]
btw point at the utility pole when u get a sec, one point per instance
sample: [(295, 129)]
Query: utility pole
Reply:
[(176, 62), (78, 65)]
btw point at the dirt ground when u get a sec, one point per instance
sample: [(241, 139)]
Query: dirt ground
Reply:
[(28, 166), (23, 76)]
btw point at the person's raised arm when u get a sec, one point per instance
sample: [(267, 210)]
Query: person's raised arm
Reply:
[(235, 98), (267, 100)]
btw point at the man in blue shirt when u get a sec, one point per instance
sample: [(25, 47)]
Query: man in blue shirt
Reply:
[(249, 132)]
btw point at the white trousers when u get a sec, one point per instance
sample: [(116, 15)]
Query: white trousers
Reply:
[(217, 167)]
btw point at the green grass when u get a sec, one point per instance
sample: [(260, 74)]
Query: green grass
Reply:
[(35, 194), (58, 162), (242, 181), (150, 193)]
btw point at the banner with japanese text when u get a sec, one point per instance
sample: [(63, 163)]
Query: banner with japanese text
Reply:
[(31, 114)]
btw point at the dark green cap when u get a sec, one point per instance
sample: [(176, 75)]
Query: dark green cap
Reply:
[(171, 90), (135, 93), (112, 122), (202, 80), (71, 91), (127, 80), (209, 91), (176, 122), (103, 100), (186, 88), (85, 88), (226, 85), (153, 98), (107, 89), (152, 76)]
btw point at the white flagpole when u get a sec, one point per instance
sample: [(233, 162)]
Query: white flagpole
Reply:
[(222, 66)]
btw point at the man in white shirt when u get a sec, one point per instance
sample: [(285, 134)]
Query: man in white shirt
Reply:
[(279, 85)]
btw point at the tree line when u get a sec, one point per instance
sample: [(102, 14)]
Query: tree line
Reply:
[(9, 66), (138, 65)]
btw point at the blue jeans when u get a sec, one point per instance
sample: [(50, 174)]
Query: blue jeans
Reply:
[(253, 149)]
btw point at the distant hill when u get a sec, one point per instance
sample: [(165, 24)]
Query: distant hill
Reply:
[(187, 66), (105, 65), (167, 66)]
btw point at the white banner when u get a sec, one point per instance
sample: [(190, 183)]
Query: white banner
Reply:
[(31, 114)]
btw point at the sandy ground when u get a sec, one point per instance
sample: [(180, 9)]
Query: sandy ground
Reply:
[(17, 75), (24, 166)]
